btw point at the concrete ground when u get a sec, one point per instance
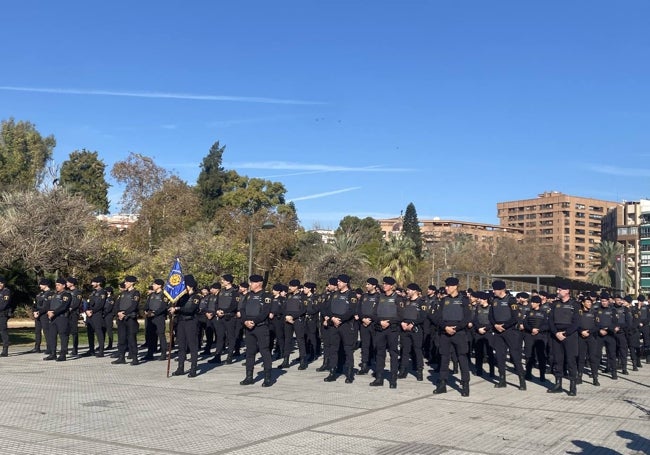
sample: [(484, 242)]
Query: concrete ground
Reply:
[(89, 406)]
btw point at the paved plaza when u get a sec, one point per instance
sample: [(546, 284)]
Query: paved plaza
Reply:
[(88, 406)]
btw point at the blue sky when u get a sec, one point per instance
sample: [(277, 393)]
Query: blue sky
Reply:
[(358, 108)]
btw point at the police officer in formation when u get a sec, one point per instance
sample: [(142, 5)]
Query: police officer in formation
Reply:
[(563, 323), (5, 313), (127, 322), (186, 310), (59, 324), (255, 309), (95, 307), (155, 311)]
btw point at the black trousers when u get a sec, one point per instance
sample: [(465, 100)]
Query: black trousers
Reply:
[(311, 334), (95, 327), (565, 352), (225, 331), (535, 349), (4, 333), (41, 330), (510, 339), (621, 348), (386, 341), (154, 334), (459, 345), (298, 327), (188, 340), (483, 348), (59, 328), (108, 327), (411, 343), (127, 336), (257, 340), (367, 335), (342, 336), (588, 350)]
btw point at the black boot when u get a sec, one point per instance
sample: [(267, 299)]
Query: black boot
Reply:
[(324, 366), (557, 388), (502, 381), (216, 359), (529, 371), (522, 382), (579, 379), (285, 364), (364, 369), (331, 377), (75, 345), (119, 361), (110, 344), (303, 364), (595, 378), (229, 359), (418, 375), (379, 380), (392, 382), (349, 376), (61, 357), (402, 373), (441, 387), (572, 388), (192, 373), (464, 391), (268, 382), (248, 380)]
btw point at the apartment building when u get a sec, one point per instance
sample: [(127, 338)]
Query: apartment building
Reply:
[(571, 222)]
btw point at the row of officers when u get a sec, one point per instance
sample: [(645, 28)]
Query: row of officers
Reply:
[(559, 334)]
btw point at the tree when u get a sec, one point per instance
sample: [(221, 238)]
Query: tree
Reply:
[(252, 194), (369, 234), (84, 174), (211, 180), (141, 178), (398, 257), (24, 155), (411, 229), (605, 274), (341, 255)]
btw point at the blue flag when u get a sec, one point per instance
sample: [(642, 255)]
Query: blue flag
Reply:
[(175, 284)]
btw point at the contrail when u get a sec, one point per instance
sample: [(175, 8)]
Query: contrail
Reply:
[(158, 95), (319, 195)]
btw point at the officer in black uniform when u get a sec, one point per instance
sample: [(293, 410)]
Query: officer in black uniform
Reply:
[(413, 315), (255, 309), (311, 301), (39, 310), (95, 316), (294, 311), (536, 338), (109, 315), (607, 326), (505, 319), (365, 311), (340, 325), (587, 342), (325, 332), (386, 320), (452, 319), (482, 334), (276, 323), (57, 314), (75, 308), (563, 323), (209, 304), (155, 310), (634, 334), (431, 335), (204, 329), (186, 309), (127, 322), (644, 320), (227, 324), (5, 314), (624, 319)]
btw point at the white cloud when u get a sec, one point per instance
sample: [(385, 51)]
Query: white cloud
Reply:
[(312, 168), (325, 194), (157, 95), (620, 171)]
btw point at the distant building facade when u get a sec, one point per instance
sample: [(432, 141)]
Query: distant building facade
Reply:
[(121, 221), (572, 223)]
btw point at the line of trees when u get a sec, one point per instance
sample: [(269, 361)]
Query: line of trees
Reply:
[(49, 226)]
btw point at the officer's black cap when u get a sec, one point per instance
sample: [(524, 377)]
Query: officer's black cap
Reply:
[(535, 299), (159, 282), (451, 281), (108, 288), (130, 279), (243, 284), (293, 282), (309, 285), (60, 281), (3, 280), (358, 291), (215, 286), (431, 287), (523, 295), (604, 295), (498, 285), (228, 277), (343, 278), (414, 287), (389, 280), (256, 278), (72, 280), (99, 279), (190, 281), (278, 287), (628, 298), (372, 281), (332, 281), (641, 298)]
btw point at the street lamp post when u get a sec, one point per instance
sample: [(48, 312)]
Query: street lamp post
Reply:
[(267, 225)]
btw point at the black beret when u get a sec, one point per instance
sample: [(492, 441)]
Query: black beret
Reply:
[(159, 282), (190, 281), (431, 287), (3, 280), (99, 279), (72, 280), (278, 287), (535, 299), (605, 295), (451, 281), (414, 287), (498, 285), (641, 298), (243, 284), (388, 280), (285, 288), (60, 281), (130, 279), (310, 285), (344, 278), (256, 278), (523, 295), (228, 277), (332, 281), (372, 281), (108, 288), (215, 286), (628, 298), (358, 291), (293, 282)]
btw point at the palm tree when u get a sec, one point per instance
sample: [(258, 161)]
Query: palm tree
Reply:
[(342, 255), (605, 274), (399, 258)]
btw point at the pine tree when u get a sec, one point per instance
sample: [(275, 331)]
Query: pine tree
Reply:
[(411, 229)]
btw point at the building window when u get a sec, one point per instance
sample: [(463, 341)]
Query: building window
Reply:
[(580, 232), (580, 215), (594, 208), (580, 206), (580, 240)]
